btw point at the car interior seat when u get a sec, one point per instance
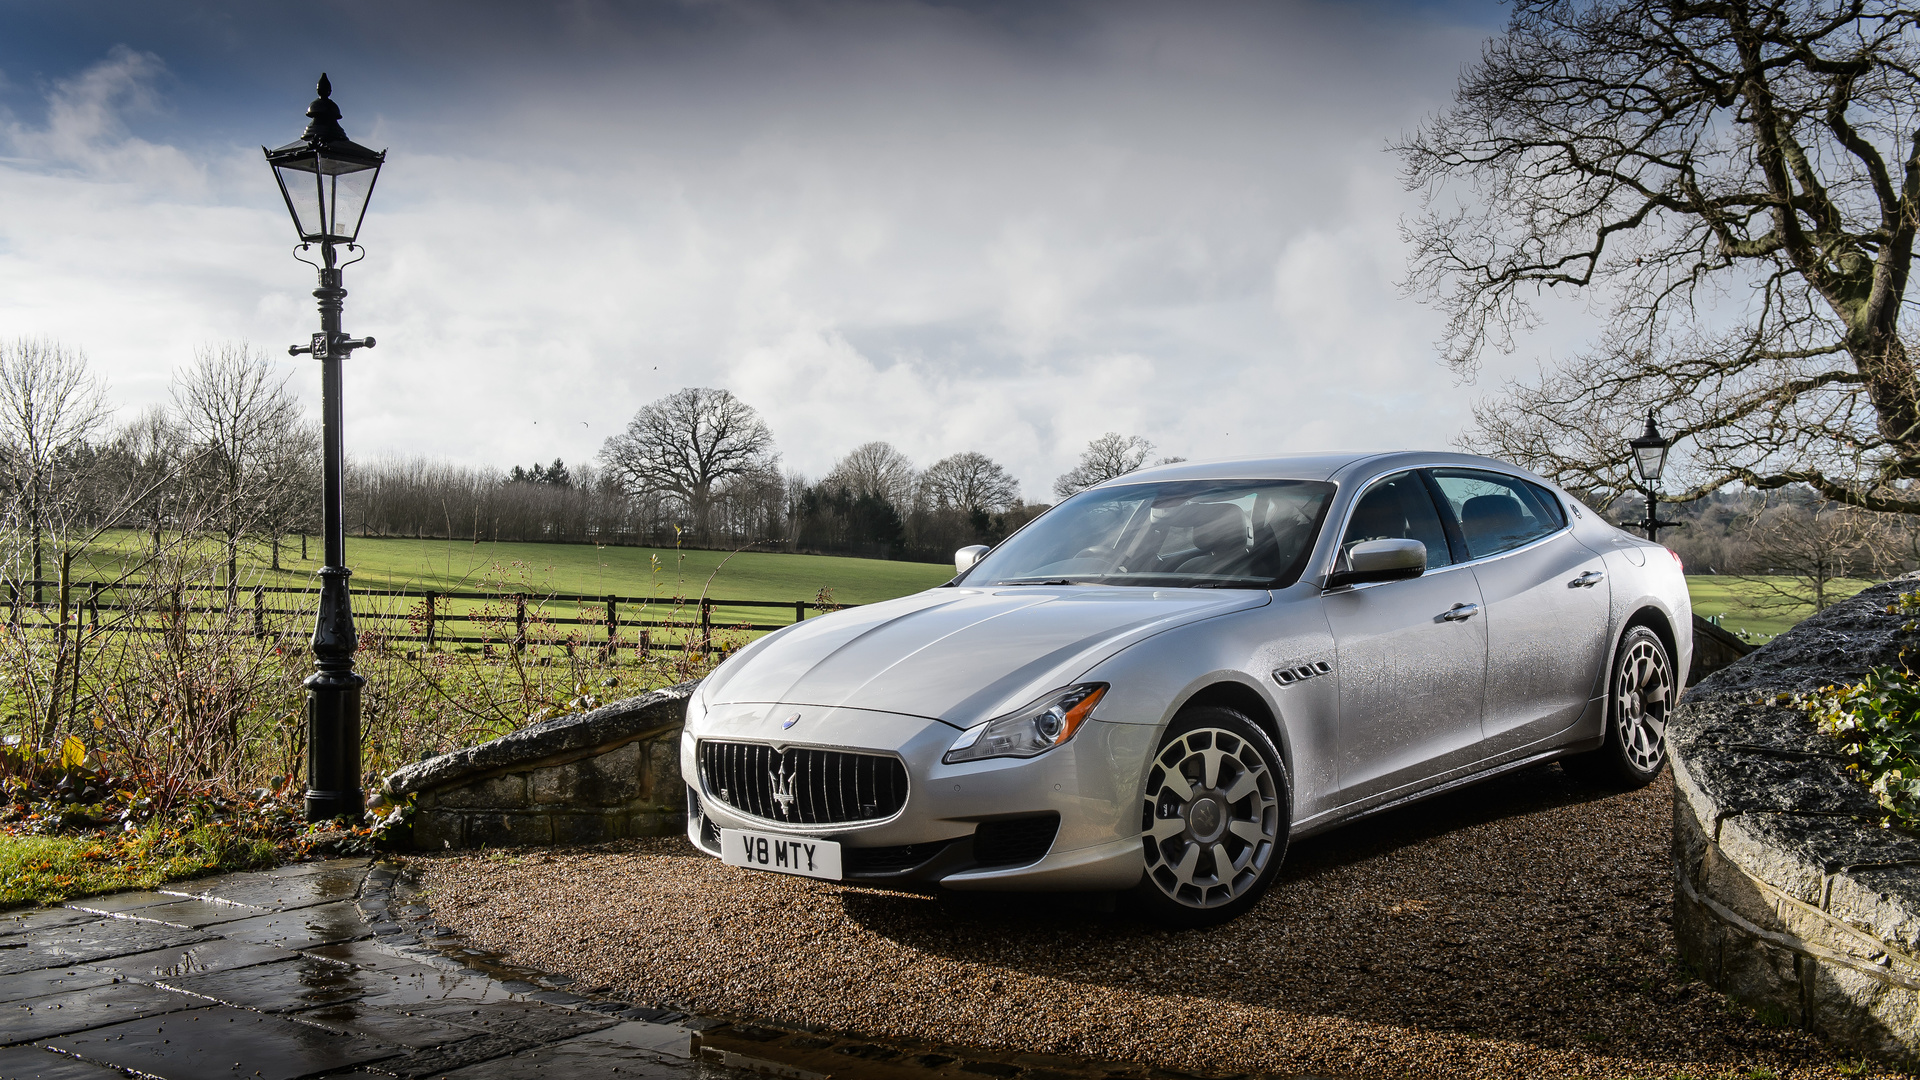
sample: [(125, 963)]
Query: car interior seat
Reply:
[(1488, 520), (1219, 532)]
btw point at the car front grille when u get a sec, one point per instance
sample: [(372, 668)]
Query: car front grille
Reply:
[(803, 785)]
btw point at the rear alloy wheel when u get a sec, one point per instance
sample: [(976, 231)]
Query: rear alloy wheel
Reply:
[(1213, 820), (1640, 698)]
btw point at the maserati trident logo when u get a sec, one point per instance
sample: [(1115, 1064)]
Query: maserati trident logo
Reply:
[(781, 777)]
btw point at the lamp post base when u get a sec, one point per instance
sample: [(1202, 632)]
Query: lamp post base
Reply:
[(333, 743)]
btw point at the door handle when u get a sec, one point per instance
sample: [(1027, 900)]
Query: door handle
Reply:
[(1460, 612), (1587, 580)]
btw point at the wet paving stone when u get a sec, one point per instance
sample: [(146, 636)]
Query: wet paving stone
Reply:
[(114, 903), (393, 1024), (37, 1063), (223, 1042), (623, 1052), (78, 1010), (276, 890), (304, 928), (405, 982), (218, 954), (97, 939), (21, 922), (518, 1019), (441, 1061), (52, 981), (196, 913), (299, 983)]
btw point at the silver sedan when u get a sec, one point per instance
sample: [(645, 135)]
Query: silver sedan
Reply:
[(1158, 683)]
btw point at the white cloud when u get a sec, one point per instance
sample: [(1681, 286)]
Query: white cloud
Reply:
[(890, 221)]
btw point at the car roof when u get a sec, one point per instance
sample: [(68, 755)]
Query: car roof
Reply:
[(1335, 466)]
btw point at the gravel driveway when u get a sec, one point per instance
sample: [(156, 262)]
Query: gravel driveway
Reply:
[(1518, 928)]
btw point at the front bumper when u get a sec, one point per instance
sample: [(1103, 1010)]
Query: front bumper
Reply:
[(1068, 819)]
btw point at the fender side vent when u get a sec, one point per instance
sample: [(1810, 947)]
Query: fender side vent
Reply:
[(1290, 675), (1015, 842)]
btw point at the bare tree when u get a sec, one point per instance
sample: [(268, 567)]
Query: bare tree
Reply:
[(289, 484), (1801, 550), (688, 443), (236, 418), (1738, 184), (970, 481), (875, 469), (1106, 457), (148, 451), (50, 409)]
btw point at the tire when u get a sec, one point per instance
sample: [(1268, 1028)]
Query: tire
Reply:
[(1209, 858), (1641, 690)]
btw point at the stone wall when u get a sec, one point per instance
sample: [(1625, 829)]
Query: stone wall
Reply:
[(600, 775), (1789, 895)]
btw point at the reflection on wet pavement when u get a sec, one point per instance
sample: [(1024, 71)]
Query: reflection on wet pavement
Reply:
[(324, 971)]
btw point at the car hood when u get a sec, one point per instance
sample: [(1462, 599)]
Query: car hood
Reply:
[(959, 655)]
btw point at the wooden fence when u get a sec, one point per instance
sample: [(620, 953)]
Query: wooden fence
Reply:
[(433, 618)]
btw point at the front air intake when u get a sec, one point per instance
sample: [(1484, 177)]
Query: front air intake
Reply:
[(803, 785)]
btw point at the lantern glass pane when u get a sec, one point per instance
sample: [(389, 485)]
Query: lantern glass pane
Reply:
[(347, 194), (298, 180), (1651, 460)]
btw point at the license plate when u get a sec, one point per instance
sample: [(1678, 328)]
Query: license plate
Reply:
[(801, 855)]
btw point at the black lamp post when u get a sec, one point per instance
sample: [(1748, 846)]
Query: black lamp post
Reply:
[(1650, 459), (326, 180)]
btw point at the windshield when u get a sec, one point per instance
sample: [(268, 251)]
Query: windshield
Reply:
[(1244, 534)]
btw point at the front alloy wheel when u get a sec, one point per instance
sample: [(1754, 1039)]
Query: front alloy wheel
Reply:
[(1214, 818)]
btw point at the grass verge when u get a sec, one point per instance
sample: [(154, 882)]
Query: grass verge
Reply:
[(39, 869)]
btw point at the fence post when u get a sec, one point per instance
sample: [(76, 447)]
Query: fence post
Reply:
[(799, 611), (706, 626), (93, 606), (519, 622), (613, 624), (259, 611), (430, 618), (646, 644)]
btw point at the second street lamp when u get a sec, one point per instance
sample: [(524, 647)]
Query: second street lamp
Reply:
[(326, 180), (1650, 460)]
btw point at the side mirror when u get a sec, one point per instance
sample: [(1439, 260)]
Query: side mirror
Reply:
[(964, 559), (1380, 560)]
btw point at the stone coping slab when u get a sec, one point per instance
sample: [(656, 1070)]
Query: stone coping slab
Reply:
[(1790, 894)]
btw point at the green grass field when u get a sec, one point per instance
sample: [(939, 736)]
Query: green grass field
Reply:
[(418, 566), (672, 582), (457, 565), (1749, 607)]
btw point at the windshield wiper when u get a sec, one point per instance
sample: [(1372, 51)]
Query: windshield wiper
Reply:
[(1036, 581)]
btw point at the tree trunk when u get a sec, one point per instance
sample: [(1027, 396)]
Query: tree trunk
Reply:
[(276, 552), (303, 545), (33, 521)]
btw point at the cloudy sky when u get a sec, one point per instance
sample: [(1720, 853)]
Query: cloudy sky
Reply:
[(1001, 227)]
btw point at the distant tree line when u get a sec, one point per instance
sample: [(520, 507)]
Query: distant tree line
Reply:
[(229, 457)]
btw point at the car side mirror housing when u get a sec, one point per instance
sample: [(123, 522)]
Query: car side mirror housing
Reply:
[(1380, 560), (964, 559)]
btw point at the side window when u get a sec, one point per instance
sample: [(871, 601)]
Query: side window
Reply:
[(1399, 508), (1497, 513)]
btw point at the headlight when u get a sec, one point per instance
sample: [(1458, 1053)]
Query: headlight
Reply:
[(1033, 730)]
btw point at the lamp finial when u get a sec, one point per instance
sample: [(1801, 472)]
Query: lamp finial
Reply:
[(325, 115)]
